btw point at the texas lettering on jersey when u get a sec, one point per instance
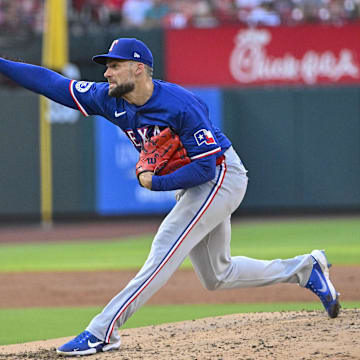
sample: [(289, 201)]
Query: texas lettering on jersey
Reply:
[(142, 135), (170, 106)]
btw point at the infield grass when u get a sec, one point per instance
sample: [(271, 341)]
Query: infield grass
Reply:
[(263, 240), (24, 325)]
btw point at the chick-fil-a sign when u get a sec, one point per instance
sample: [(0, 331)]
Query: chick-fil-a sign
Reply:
[(266, 56)]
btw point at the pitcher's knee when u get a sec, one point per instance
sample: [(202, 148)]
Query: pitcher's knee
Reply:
[(211, 285)]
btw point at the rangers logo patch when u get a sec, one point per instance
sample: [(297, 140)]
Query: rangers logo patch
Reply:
[(204, 136), (83, 86)]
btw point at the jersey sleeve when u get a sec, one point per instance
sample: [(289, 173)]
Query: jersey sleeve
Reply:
[(197, 133), (39, 79), (90, 98)]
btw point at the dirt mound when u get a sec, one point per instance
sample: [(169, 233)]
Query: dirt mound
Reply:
[(281, 336)]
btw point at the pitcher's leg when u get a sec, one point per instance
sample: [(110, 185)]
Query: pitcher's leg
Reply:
[(211, 259), (190, 220), (164, 258), (216, 268)]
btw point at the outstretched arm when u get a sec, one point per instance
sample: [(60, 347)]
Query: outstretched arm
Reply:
[(40, 80)]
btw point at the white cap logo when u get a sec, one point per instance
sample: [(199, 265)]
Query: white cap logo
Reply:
[(136, 55), (113, 44)]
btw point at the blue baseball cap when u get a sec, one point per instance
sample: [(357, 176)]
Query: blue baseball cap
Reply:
[(127, 49)]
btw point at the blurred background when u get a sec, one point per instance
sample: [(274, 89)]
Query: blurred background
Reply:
[(281, 78)]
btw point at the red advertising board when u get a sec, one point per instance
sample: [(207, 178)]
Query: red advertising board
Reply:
[(228, 56)]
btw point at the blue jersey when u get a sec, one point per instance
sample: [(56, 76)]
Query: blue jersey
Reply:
[(170, 105)]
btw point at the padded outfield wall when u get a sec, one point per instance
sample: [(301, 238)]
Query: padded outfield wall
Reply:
[(300, 141)]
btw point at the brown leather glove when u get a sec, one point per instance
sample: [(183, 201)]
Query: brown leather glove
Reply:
[(162, 154), (178, 160)]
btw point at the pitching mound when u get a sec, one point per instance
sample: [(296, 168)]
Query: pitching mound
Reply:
[(281, 336)]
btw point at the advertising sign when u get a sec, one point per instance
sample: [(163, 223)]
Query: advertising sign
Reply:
[(305, 55)]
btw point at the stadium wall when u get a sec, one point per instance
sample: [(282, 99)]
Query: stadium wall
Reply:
[(300, 142), (300, 145)]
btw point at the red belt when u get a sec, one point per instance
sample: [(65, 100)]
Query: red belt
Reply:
[(220, 160)]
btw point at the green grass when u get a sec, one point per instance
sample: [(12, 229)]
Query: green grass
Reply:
[(265, 240), (340, 238), (23, 325), (81, 255)]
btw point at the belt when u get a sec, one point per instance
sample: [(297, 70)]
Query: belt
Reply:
[(220, 159)]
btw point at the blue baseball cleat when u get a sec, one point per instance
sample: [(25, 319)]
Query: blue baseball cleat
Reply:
[(85, 344), (320, 284)]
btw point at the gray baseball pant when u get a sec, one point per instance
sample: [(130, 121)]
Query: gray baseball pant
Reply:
[(199, 227)]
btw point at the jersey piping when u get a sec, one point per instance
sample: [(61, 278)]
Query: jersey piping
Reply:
[(199, 156), (80, 107)]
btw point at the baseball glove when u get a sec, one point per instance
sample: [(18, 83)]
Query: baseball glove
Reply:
[(178, 160), (162, 154)]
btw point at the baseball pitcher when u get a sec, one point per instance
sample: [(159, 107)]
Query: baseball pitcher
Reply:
[(179, 149)]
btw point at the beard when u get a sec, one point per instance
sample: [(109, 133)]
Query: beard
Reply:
[(122, 89)]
